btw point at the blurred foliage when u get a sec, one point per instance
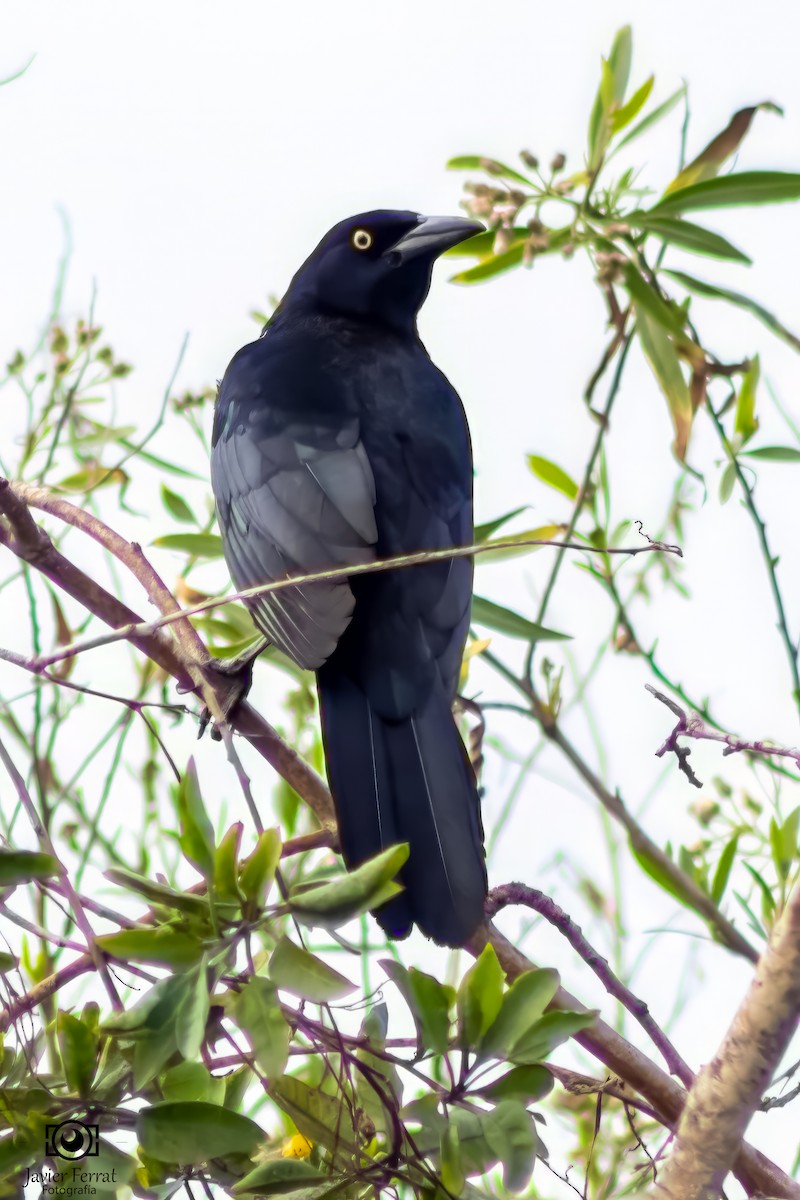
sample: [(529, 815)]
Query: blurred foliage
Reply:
[(241, 1058)]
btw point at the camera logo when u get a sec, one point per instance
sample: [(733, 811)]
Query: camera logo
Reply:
[(72, 1140)]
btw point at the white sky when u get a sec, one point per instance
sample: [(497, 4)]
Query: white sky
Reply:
[(201, 149)]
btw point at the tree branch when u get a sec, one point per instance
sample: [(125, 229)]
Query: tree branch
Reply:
[(728, 1090)]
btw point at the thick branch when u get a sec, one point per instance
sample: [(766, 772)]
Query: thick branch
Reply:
[(728, 1090)]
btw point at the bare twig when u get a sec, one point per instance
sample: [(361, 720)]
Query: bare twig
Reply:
[(519, 893), (695, 728)]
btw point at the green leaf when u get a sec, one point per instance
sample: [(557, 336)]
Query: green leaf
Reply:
[(107, 1161), (723, 871), (197, 833), (660, 875), (623, 116), (192, 1132), (226, 865), (452, 1171), (320, 1117), (158, 893), (430, 1003), (525, 544), (521, 1007), (787, 454), (357, 891), (746, 421), (258, 870), (511, 1133), (553, 476), (743, 188), (503, 620), (727, 483), (665, 313), (520, 1083), (550, 1031), (192, 1081), (483, 532), (23, 866), (165, 947), (257, 1011), (199, 545), (176, 506), (677, 232), (294, 970), (615, 72), (663, 359), (280, 1176), (478, 162), (479, 997), (720, 149), (768, 905), (494, 265), (653, 117), (192, 1015), (712, 292), (78, 1045)]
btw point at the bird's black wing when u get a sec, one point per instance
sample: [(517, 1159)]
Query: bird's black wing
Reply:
[(295, 493)]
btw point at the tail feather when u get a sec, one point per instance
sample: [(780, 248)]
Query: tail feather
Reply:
[(408, 781)]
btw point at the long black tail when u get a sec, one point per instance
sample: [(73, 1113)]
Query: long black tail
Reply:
[(407, 781)]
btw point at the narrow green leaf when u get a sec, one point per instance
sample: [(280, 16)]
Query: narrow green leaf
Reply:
[(191, 1133), (199, 545), (478, 162), (746, 421), (712, 292), (553, 475), (727, 483), (495, 265), (483, 532), (723, 871), (660, 875), (23, 866), (768, 905), (294, 970), (653, 117), (786, 454), (522, 1006), (257, 1011), (720, 149), (503, 620), (647, 299), (226, 865), (688, 236), (158, 893), (742, 188), (623, 116), (666, 367)]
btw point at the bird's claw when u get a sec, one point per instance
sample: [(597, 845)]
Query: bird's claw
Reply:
[(231, 679)]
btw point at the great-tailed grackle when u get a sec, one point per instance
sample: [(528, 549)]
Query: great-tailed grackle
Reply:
[(336, 440)]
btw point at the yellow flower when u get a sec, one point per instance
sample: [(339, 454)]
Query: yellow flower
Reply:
[(297, 1147)]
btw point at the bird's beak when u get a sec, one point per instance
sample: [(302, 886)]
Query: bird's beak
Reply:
[(432, 236)]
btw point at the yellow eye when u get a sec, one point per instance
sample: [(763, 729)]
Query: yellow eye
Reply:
[(361, 239)]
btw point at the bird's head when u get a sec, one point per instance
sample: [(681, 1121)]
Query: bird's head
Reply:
[(376, 266)]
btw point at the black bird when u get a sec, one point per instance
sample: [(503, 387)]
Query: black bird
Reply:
[(337, 441)]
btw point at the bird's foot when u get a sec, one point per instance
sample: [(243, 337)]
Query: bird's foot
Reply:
[(231, 679)]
